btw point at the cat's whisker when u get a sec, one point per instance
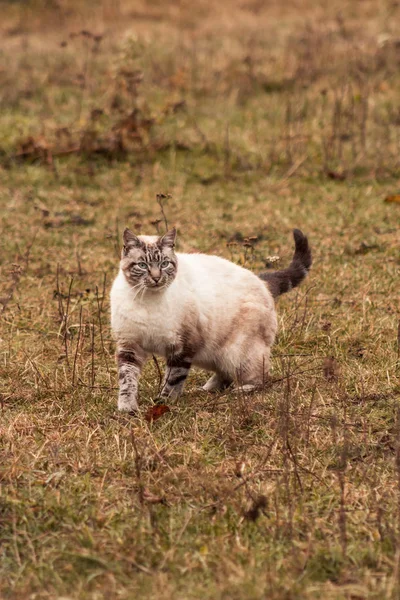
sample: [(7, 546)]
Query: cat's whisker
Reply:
[(141, 288), (143, 292), (132, 289)]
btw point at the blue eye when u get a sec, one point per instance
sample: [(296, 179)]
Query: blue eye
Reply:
[(142, 265), (165, 264)]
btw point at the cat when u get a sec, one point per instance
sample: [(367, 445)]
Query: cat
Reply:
[(195, 309)]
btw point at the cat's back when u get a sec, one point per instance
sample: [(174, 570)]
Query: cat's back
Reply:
[(209, 274), (209, 265)]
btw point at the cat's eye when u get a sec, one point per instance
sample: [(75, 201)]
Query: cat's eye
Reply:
[(142, 265), (165, 264)]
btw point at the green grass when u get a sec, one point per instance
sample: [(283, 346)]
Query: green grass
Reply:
[(290, 120)]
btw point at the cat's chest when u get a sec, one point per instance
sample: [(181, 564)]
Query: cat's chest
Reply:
[(154, 326)]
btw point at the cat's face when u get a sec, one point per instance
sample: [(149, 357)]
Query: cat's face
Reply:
[(149, 262)]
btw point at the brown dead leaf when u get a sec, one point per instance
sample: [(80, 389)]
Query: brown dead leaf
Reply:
[(155, 412), (394, 199)]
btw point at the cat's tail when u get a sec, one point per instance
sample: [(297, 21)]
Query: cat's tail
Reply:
[(283, 281)]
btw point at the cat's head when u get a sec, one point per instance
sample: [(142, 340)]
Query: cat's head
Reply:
[(149, 262)]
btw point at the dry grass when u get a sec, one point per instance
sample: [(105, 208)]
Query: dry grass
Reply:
[(255, 118)]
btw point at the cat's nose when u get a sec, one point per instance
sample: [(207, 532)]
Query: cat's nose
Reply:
[(155, 275)]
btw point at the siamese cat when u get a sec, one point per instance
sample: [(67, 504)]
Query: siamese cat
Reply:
[(195, 309)]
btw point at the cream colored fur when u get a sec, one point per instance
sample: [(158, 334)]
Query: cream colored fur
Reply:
[(226, 310)]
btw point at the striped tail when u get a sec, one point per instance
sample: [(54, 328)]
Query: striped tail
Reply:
[(287, 279)]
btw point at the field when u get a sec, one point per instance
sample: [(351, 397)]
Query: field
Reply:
[(251, 118)]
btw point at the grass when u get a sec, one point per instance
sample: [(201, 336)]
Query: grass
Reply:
[(255, 119)]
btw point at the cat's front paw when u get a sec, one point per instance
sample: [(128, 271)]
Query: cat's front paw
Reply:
[(128, 405)]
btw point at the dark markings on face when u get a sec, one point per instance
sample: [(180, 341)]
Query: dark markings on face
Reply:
[(149, 264)]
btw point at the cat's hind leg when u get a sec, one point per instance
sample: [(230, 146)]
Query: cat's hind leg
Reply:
[(217, 383), (253, 371)]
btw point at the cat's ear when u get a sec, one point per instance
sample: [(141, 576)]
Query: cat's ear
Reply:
[(130, 241), (168, 239)]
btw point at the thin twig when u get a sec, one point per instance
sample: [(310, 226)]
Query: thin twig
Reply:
[(77, 347), (65, 320), (159, 374), (160, 198), (104, 291), (103, 349), (92, 354)]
